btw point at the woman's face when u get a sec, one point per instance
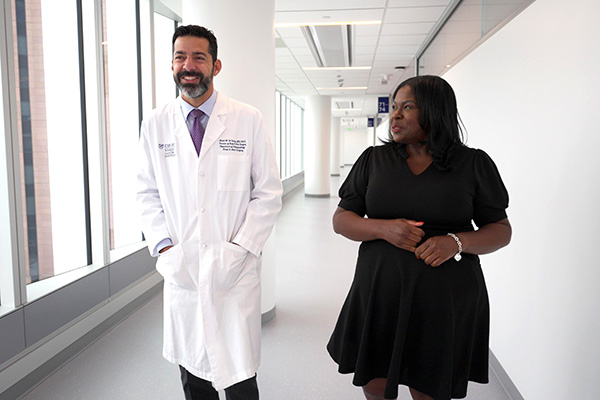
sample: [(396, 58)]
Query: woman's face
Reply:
[(404, 120)]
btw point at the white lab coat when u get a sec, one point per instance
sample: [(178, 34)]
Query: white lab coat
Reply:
[(230, 194)]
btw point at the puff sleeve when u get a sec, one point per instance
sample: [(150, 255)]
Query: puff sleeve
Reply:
[(354, 189), (491, 196)]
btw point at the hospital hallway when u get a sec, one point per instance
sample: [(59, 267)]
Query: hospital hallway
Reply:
[(314, 271)]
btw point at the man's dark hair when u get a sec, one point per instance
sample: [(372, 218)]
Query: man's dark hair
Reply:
[(438, 115), (200, 32)]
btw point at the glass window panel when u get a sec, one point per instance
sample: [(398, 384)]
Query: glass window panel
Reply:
[(146, 53), (296, 154), (6, 273), (278, 130), (163, 55), (122, 118), (297, 146), (50, 136), (289, 138), (283, 135), (290, 135), (301, 140)]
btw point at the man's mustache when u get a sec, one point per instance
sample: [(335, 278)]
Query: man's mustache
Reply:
[(190, 73)]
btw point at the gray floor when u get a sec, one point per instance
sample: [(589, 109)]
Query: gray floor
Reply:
[(315, 269)]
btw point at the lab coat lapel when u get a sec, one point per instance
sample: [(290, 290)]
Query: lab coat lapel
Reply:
[(177, 119), (216, 124), (179, 127)]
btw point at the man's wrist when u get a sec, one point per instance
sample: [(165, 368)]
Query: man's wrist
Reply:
[(164, 249), (163, 245)]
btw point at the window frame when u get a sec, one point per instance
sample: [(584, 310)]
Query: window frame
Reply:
[(12, 284)]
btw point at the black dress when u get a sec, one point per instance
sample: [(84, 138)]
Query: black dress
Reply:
[(413, 324)]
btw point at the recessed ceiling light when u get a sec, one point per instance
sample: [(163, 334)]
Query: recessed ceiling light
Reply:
[(321, 23), (343, 88), (333, 68)]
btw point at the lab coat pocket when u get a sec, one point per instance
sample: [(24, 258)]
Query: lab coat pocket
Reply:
[(233, 173), (233, 261), (172, 266)]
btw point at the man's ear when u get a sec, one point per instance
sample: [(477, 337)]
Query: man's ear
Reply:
[(217, 67)]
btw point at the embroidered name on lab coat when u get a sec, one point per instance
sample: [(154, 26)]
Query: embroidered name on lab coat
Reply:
[(168, 149), (236, 145)]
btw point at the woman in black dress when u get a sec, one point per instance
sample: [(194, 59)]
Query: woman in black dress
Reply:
[(417, 313)]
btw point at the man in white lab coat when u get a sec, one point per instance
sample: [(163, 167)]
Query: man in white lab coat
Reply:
[(208, 193)]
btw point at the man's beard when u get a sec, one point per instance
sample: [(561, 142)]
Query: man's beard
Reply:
[(192, 90)]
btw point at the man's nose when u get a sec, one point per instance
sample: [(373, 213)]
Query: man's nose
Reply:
[(188, 65)]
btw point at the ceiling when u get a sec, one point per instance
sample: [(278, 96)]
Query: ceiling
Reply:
[(386, 48)]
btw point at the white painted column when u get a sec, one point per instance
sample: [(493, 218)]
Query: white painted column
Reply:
[(335, 147), (317, 128), (246, 46), (372, 132), (246, 37)]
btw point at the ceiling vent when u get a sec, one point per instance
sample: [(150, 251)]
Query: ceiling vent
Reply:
[(344, 104), (331, 45)]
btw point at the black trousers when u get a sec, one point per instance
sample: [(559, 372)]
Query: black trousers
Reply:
[(199, 389)]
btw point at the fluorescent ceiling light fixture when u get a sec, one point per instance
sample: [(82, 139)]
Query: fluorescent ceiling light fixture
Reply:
[(333, 68), (343, 88), (321, 23)]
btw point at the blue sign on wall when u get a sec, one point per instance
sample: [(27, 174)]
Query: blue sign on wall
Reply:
[(383, 106), (370, 122)]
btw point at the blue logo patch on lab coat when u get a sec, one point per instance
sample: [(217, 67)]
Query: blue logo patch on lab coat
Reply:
[(168, 149)]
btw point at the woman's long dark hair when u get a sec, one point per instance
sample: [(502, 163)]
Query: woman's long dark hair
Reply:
[(438, 117)]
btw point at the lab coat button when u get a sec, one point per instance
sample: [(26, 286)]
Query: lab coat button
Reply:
[(203, 245), (202, 210), (201, 174)]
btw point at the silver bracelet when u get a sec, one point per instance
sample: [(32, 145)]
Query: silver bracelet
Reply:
[(457, 256)]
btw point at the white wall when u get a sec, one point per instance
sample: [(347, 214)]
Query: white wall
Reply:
[(530, 97), (355, 142)]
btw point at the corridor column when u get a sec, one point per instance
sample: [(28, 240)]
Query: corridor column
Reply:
[(246, 37), (335, 146), (317, 144)]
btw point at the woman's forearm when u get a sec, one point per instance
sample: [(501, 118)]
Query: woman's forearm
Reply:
[(402, 233), (487, 239), (355, 227)]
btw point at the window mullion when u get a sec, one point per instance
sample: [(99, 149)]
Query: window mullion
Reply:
[(96, 132), (84, 138)]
